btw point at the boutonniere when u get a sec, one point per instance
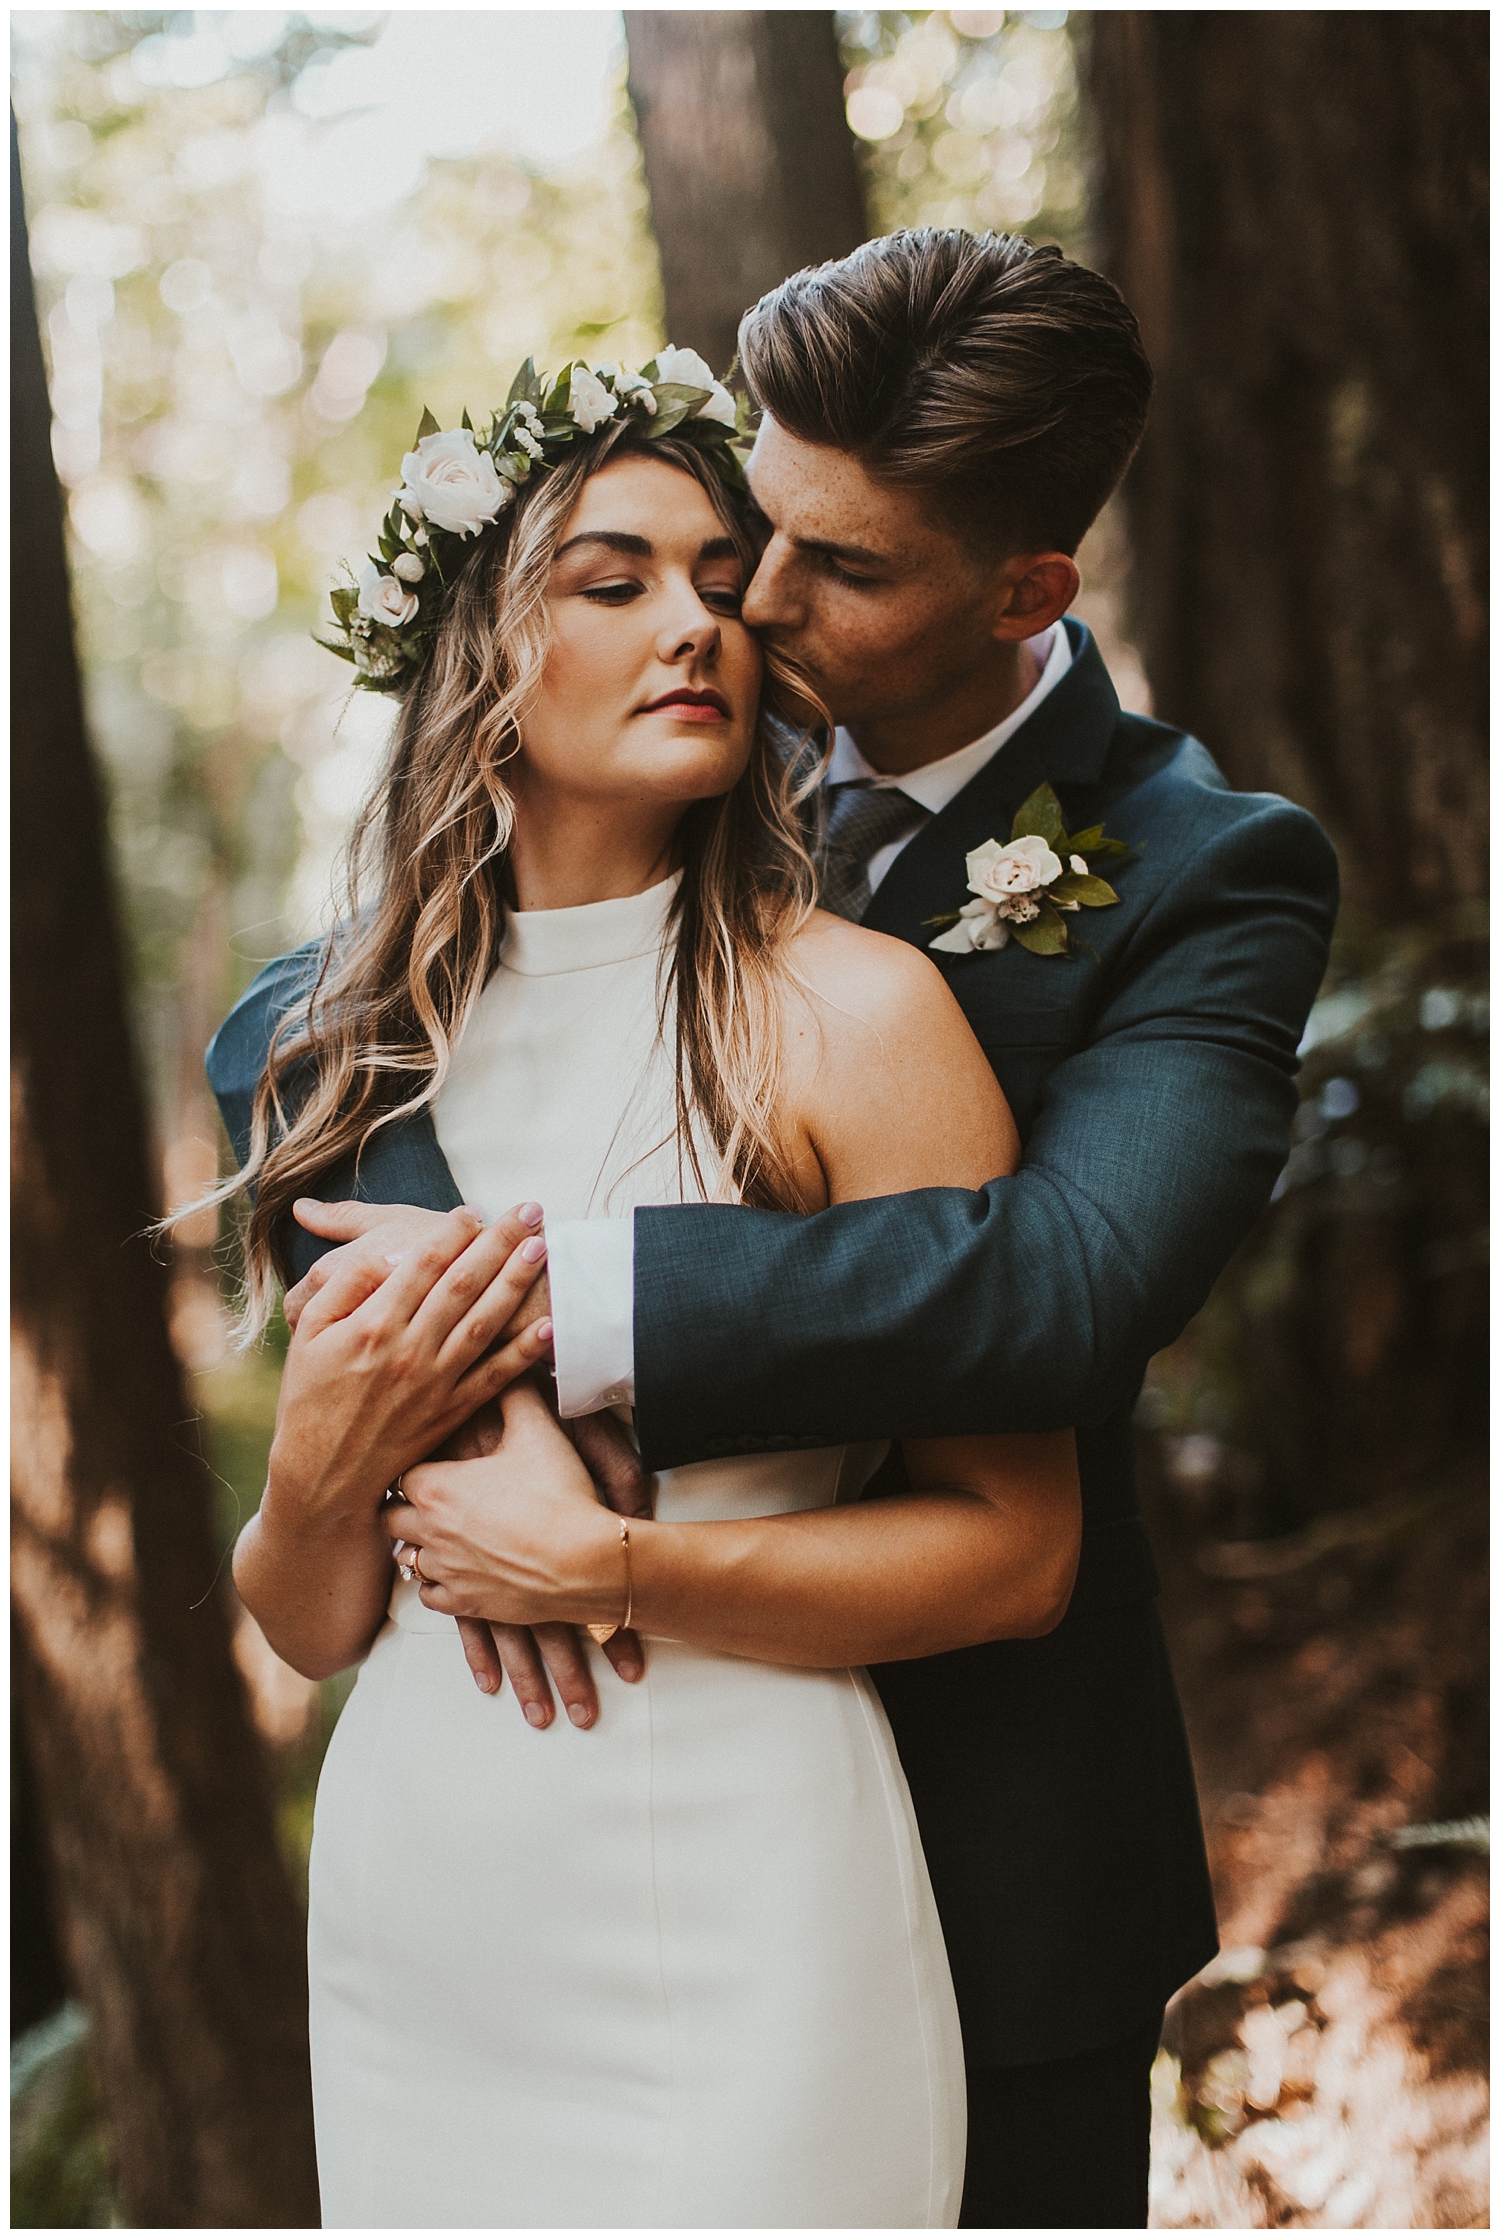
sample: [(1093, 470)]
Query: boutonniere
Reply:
[(1028, 887)]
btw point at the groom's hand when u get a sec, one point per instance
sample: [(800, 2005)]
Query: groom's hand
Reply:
[(535, 1659)]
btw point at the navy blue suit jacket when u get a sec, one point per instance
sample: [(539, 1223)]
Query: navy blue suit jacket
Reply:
[(1153, 1086)]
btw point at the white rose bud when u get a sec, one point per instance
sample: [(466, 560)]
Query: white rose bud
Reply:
[(408, 567), (382, 598), (634, 388), (450, 482), (589, 401), (979, 927), (1076, 863)]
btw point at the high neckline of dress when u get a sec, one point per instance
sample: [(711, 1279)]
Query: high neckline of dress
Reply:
[(540, 942)]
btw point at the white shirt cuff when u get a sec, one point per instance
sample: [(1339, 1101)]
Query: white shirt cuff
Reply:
[(591, 1270)]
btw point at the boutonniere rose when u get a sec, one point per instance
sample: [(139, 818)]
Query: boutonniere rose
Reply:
[(1023, 890)]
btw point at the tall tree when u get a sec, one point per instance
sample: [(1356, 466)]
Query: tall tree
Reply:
[(1293, 201), (179, 1925), (749, 159)]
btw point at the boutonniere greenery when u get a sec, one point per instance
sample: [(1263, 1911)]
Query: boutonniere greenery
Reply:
[(1027, 889)]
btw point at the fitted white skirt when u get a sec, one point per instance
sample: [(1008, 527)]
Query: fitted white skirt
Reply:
[(683, 1969)]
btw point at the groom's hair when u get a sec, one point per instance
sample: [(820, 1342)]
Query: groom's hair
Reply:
[(1004, 383)]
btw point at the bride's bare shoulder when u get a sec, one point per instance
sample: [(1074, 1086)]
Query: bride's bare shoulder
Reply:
[(855, 968), (883, 1074)]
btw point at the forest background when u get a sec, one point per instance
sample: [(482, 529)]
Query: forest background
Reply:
[(262, 244)]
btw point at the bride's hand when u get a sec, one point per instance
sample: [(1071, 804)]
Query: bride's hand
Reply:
[(367, 1236), (392, 1355), (517, 1538)]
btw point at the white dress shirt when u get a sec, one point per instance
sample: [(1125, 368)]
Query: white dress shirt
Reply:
[(591, 1264)]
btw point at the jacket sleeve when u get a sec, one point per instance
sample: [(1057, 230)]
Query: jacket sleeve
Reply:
[(1036, 1302), (236, 1057)]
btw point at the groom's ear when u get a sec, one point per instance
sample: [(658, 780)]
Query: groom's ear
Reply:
[(1032, 591)]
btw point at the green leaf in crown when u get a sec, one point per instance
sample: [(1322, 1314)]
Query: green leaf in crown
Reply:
[(1026, 890), (455, 487)]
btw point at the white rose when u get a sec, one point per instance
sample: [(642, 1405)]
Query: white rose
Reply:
[(978, 927), (720, 406), (382, 598), (449, 481), (684, 366), (408, 567), (1076, 863), (1017, 868), (589, 401)]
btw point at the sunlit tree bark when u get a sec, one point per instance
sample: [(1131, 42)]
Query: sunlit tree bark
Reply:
[(748, 157), (1293, 201), (179, 1926)]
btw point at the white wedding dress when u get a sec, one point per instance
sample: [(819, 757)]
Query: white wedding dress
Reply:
[(682, 1969)]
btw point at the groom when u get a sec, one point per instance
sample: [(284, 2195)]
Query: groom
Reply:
[(945, 417)]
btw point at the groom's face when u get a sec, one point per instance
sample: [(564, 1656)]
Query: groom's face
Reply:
[(881, 609)]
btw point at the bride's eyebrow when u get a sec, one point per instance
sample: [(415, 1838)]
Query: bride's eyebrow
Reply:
[(641, 547), (613, 540)]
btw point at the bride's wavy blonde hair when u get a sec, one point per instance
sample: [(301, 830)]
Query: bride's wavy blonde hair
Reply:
[(372, 1041)]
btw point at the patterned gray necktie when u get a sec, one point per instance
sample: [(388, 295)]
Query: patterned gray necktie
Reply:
[(862, 818)]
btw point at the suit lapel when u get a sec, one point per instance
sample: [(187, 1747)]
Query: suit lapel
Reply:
[(1065, 743)]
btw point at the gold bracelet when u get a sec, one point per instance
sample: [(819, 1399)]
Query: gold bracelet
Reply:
[(602, 1633)]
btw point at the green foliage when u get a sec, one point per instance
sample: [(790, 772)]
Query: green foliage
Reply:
[(1040, 815), (1089, 893), (1046, 935), (674, 401)]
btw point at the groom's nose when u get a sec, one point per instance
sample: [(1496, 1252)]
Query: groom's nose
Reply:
[(772, 599)]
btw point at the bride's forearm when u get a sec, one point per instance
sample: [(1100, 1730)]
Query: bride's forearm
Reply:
[(316, 1582), (872, 1583)]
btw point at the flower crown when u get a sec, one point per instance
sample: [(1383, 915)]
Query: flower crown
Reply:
[(454, 487)]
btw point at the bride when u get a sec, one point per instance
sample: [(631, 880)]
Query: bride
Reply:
[(682, 1969)]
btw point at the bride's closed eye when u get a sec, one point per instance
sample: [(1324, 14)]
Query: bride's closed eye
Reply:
[(719, 598), (612, 594)]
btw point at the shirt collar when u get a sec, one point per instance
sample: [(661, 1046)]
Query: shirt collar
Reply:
[(938, 783)]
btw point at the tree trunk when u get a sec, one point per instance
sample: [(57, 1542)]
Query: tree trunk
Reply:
[(179, 1926), (1293, 204), (748, 157)]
